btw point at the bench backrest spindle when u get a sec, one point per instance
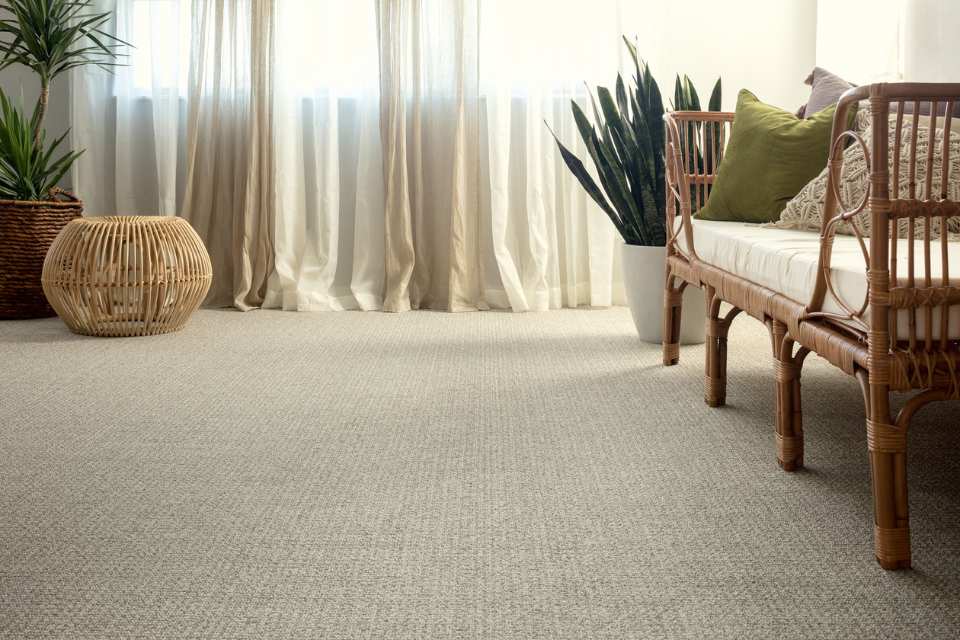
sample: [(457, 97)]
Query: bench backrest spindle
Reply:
[(915, 217)]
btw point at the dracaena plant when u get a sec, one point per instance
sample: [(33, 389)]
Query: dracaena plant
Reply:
[(50, 37), (28, 171), (625, 143)]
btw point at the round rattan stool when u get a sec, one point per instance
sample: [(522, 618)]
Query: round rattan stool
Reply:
[(126, 275)]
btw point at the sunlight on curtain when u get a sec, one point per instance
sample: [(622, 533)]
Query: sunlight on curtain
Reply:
[(329, 227), (429, 124), (545, 243), (140, 104), (395, 153)]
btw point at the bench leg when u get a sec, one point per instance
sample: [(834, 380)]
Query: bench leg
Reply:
[(672, 307), (715, 369), (789, 413), (887, 444)]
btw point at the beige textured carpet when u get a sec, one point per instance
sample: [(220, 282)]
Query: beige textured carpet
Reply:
[(427, 475)]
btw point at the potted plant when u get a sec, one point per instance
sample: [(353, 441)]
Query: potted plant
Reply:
[(625, 143), (50, 37)]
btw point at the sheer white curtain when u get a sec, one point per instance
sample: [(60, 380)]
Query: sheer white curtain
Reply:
[(429, 125), (329, 177), (545, 243), (141, 105), (185, 128), (480, 210), (393, 154)]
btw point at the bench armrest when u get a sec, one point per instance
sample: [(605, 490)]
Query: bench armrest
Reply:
[(907, 259)]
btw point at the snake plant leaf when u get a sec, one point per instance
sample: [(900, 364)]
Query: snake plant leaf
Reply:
[(611, 158), (715, 131), (622, 102), (625, 142), (647, 154), (690, 92), (583, 176), (716, 97), (654, 116), (626, 132), (593, 144), (597, 117), (612, 117), (623, 137), (632, 49), (617, 188)]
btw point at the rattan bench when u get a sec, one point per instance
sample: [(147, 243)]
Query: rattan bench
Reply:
[(900, 337)]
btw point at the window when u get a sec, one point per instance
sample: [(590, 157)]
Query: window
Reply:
[(160, 33)]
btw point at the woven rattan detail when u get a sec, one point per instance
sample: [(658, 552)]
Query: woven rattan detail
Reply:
[(785, 371), (671, 350), (27, 230), (789, 448), (908, 298), (715, 387), (898, 339), (885, 438), (911, 369), (892, 545), (126, 275)]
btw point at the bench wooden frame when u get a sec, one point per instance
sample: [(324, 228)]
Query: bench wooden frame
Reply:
[(862, 344)]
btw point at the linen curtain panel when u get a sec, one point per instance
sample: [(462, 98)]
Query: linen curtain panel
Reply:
[(395, 154), (359, 155)]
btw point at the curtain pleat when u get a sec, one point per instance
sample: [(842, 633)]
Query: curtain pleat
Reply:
[(390, 154), (328, 159), (465, 276), (429, 131), (395, 35), (229, 193), (254, 232)]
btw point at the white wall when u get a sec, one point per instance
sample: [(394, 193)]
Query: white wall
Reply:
[(766, 46), (861, 44), (910, 40), (19, 82)]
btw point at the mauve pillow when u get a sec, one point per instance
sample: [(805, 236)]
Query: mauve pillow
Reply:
[(826, 89)]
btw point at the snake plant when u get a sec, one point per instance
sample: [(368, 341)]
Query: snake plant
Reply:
[(625, 143)]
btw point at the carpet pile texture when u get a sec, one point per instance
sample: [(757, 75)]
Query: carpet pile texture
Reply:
[(429, 475)]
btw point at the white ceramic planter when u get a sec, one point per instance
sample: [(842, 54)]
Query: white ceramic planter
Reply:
[(643, 276)]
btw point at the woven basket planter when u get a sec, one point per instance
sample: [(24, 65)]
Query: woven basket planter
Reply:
[(27, 229), (127, 275)]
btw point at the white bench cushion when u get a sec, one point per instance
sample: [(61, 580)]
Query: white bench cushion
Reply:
[(785, 261)]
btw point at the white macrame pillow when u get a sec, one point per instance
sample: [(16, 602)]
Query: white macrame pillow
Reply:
[(805, 211)]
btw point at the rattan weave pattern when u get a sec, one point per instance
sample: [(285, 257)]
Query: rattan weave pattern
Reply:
[(27, 229), (862, 342), (127, 275)]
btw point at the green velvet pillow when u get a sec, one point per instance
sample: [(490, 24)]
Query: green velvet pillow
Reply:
[(771, 155)]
